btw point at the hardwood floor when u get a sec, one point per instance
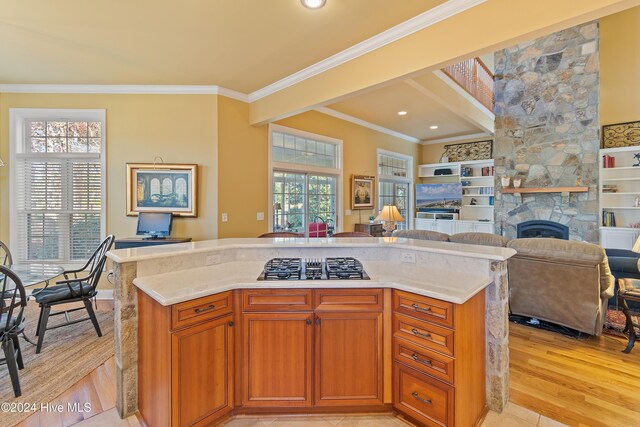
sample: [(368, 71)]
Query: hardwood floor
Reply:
[(580, 382), (98, 389)]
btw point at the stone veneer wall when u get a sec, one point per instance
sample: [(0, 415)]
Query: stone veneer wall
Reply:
[(547, 130)]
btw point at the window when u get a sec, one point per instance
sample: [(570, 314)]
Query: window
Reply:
[(305, 181), (57, 184), (395, 184)]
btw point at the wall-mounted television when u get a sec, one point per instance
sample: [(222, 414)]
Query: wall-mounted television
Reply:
[(438, 197)]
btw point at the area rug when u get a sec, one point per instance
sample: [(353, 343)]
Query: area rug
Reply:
[(68, 354), (616, 321)]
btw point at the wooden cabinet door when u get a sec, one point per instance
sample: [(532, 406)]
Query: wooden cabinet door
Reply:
[(277, 359), (202, 372), (348, 359)]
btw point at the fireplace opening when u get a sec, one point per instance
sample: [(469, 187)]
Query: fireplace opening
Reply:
[(540, 228)]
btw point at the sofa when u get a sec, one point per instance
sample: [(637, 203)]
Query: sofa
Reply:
[(422, 235), (560, 281)]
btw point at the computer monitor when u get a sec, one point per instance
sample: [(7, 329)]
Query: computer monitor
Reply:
[(156, 225)]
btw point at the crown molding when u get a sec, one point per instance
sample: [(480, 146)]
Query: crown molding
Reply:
[(124, 89), (357, 121), (457, 138), (417, 23)]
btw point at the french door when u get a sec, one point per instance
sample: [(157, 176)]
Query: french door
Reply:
[(396, 193), (304, 203)]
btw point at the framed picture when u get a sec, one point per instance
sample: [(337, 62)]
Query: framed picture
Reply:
[(621, 135), (363, 192), (162, 187), (478, 150)]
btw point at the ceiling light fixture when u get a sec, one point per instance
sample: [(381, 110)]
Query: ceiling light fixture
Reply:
[(433, 127), (402, 113), (313, 4)]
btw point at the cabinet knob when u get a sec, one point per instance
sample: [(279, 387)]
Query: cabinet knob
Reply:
[(308, 321), (231, 323), (317, 321)]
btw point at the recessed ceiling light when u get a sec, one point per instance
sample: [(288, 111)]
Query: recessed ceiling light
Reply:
[(313, 4), (433, 127), (402, 113)]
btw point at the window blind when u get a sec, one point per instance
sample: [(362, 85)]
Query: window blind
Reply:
[(58, 194)]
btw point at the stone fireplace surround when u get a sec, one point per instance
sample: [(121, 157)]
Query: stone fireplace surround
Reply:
[(547, 130)]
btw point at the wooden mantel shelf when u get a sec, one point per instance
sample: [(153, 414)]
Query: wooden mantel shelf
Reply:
[(545, 190)]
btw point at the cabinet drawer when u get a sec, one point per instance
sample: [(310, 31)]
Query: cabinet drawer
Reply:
[(425, 308), (277, 300), (348, 299), (422, 397), (424, 360), (199, 310), (422, 333)]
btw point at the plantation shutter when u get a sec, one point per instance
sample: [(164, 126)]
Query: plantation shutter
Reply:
[(58, 197)]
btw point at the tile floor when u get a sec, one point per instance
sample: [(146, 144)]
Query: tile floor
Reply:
[(512, 416)]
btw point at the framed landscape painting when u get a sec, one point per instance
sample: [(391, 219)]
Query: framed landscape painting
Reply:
[(153, 187), (363, 194)]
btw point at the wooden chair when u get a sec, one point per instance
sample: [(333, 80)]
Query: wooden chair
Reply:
[(73, 289), (5, 255), (14, 300), (351, 234), (280, 234)]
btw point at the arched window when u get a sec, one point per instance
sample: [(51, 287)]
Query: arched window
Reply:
[(167, 186), (181, 189), (155, 186)]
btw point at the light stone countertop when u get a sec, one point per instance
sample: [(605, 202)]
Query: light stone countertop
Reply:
[(184, 285), (448, 248)]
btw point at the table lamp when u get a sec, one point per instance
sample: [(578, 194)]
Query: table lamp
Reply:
[(389, 215)]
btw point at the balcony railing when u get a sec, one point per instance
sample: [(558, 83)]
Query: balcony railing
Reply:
[(474, 77)]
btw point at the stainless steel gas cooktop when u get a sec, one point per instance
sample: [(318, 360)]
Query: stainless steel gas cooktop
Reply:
[(343, 268)]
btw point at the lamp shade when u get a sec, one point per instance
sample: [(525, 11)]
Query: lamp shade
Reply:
[(636, 246), (389, 213)]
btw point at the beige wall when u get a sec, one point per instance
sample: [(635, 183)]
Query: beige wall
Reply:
[(179, 128), (359, 151), (243, 188), (620, 67)]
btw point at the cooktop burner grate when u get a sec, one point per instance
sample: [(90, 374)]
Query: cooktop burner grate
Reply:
[(283, 269), (344, 268)]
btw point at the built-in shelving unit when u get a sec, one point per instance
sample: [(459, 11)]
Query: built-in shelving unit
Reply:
[(476, 213), (619, 198)]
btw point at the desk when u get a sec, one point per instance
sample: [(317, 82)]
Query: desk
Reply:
[(137, 242)]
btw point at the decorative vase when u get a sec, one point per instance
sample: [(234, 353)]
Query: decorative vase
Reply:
[(505, 181), (517, 182)]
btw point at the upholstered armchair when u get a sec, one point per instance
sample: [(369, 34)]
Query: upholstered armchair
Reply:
[(560, 281)]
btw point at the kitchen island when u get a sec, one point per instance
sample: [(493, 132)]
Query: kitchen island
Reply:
[(174, 303)]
